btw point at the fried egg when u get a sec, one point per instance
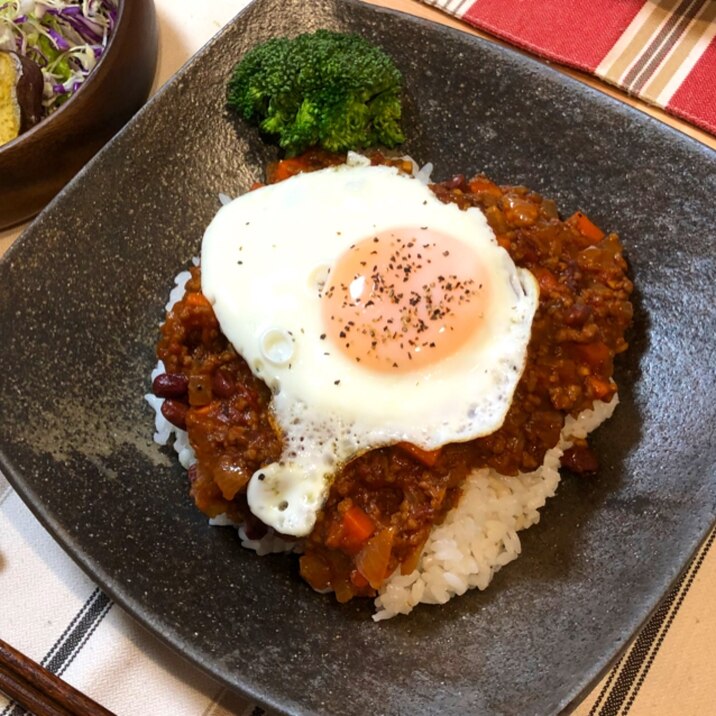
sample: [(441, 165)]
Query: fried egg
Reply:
[(375, 313)]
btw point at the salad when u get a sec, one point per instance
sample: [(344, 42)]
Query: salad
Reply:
[(64, 38)]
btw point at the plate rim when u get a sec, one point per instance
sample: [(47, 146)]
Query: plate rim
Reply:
[(93, 569)]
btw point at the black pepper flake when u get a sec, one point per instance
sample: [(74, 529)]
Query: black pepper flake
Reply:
[(261, 476), (322, 336), (336, 382)]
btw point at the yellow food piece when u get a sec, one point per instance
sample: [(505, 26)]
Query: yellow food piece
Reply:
[(9, 107)]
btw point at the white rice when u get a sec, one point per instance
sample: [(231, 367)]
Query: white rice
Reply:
[(479, 536)]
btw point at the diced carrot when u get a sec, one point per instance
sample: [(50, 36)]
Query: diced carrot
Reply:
[(372, 561), (547, 281), (504, 241), (197, 299), (257, 185), (426, 457), (357, 525), (596, 354), (484, 185), (287, 168), (600, 387), (586, 227)]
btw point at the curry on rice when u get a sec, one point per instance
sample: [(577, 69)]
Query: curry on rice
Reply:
[(383, 504)]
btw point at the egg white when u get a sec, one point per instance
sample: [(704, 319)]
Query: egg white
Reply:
[(264, 260)]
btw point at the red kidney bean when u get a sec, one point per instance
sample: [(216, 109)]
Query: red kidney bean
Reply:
[(457, 182), (193, 473), (222, 384), (580, 459), (175, 412), (578, 315), (170, 385), (253, 527)]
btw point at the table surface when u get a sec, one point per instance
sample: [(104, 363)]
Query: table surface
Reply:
[(184, 27)]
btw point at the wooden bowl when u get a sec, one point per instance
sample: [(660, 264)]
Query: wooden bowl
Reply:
[(36, 165)]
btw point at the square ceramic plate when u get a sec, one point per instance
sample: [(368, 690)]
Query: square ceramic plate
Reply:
[(83, 294)]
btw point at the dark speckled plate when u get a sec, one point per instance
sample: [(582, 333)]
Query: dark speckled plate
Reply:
[(82, 294)]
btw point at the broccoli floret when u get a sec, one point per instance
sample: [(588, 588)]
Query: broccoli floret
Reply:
[(323, 89)]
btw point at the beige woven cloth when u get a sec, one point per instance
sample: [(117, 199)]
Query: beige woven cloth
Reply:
[(669, 668)]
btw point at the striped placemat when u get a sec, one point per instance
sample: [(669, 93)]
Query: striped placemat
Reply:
[(663, 51), (51, 611), (670, 666)]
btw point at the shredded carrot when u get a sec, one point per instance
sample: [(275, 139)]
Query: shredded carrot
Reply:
[(586, 227), (357, 525), (426, 457)]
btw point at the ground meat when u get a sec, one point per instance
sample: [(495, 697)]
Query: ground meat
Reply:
[(382, 505), (227, 415)]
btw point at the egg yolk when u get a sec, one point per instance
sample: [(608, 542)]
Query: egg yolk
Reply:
[(404, 299)]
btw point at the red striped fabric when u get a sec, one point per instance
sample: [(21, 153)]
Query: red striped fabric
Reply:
[(663, 51), (577, 33), (695, 100)]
